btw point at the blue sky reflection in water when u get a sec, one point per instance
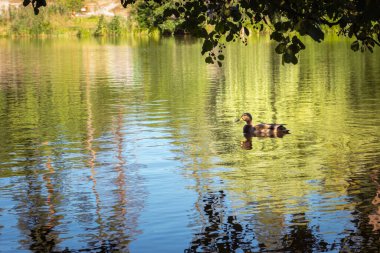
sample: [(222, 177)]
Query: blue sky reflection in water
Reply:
[(132, 146)]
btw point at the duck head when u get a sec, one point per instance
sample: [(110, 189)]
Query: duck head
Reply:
[(247, 117)]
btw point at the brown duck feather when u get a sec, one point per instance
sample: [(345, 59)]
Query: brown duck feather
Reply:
[(263, 127)]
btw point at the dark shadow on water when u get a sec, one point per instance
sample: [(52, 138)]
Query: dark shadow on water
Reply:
[(247, 143)]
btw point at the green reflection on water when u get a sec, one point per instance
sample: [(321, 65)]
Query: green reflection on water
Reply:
[(72, 104)]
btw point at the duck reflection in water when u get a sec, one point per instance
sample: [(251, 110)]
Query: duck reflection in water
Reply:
[(247, 143)]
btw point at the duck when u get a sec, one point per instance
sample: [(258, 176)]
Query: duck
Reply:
[(262, 129)]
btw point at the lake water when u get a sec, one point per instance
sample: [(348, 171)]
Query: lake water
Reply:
[(132, 146)]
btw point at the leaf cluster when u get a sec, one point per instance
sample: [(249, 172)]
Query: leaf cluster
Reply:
[(288, 21)]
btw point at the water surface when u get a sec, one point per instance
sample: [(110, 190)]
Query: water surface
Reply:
[(132, 146)]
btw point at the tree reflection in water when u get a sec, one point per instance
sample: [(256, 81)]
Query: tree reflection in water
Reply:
[(222, 232), (301, 237), (366, 236), (38, 212), (374, 218)]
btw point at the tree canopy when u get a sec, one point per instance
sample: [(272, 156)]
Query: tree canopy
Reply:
[(220, 22)]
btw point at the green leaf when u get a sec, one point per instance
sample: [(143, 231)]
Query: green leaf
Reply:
[(282, 26), (287, 58), (286, 25), (201, 33), (181, 9), (313, 30), (176, 13), (277, 36), (167, 12), (207, 46), (250, 15), (236, 14), (302, 46), (258, 18), (220, 27), (209, 60), (280, 49), (201, 18), (330, 13), (246, 31), (298, 42), (294, 59), (355, 45), (189, 5), (26, 2), (277, 26), (229, 37), (294, 48), (295, 40)]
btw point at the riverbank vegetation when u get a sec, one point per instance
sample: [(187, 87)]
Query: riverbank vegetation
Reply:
[(57, 21), (65, 18), (216, 23)]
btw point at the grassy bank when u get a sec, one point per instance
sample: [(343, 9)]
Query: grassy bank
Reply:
[(54, 21), (58, 20)]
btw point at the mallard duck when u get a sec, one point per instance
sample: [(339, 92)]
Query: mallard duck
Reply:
[(262, 130)]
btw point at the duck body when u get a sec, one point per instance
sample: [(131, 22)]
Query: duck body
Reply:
[(265, 130), (262, 129)]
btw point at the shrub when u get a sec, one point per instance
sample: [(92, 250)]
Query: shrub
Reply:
[(101, 27), (24, 22), (114, 27)]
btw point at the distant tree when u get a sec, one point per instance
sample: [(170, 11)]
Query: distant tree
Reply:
[(287, 20), (150, 14), (144, 13), (101, 27), (114, 26)]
